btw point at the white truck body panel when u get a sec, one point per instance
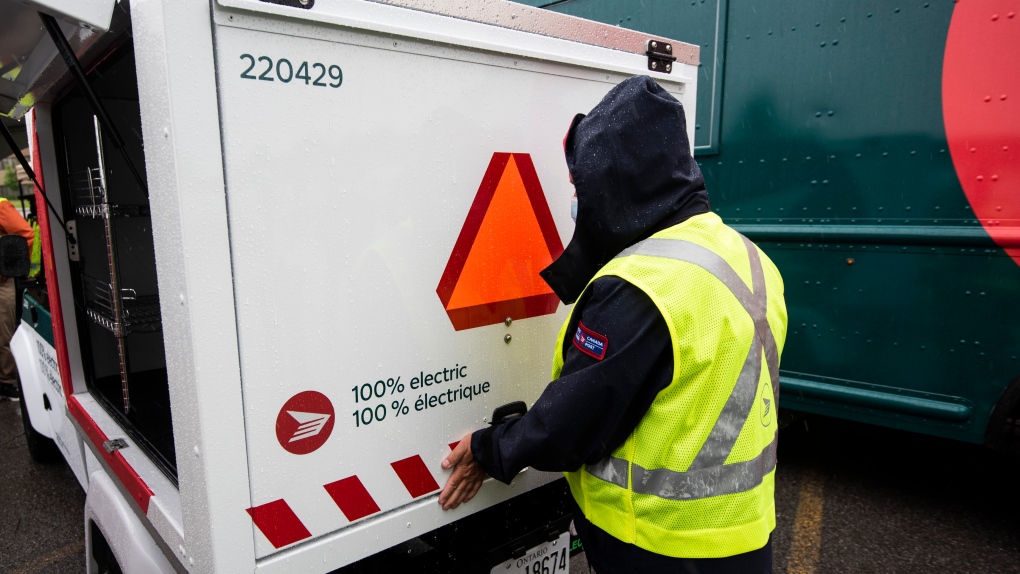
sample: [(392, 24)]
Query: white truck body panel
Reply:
[(39, 376), (386, 175), (300, 234), (33, 381), (135, 550), (386, 210)]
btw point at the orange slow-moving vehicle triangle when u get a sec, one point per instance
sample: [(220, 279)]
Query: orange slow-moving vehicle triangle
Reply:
[(507, 238), (508, 251)]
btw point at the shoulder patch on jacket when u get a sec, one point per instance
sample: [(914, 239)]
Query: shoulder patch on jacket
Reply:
[(590, 343)]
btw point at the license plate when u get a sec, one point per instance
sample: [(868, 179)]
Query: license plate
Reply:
[(551, 557)]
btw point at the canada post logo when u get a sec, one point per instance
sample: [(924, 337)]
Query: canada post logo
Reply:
[(309, 424), (507, 238), (590, 343), (305, 422)]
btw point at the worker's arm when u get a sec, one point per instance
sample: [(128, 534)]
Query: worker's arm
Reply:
[(590, 410), (596, 403), (12, 223)]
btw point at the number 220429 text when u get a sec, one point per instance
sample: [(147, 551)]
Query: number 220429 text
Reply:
[(283, 70)]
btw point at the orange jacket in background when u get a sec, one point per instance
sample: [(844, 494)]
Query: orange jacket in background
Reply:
[(12, 223)]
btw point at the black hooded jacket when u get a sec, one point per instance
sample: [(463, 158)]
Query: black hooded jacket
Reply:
[(631, 164), (632, 167)]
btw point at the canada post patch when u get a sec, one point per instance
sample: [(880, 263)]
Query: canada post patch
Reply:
[(590, 343)]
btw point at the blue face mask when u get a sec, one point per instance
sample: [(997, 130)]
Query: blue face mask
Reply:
[(573, 208)]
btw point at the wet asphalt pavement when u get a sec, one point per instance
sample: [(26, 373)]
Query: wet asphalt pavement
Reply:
[(851, 498), (41, 507), (868, 499)]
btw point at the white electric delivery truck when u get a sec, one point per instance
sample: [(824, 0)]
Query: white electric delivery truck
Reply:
[(291, 253)]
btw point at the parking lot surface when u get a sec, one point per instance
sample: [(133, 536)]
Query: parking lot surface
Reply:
[(42, 508), (850, 498), (859, 498)]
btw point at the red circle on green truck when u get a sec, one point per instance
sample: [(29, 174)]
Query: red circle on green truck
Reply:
[(981, 110), (305, 422)]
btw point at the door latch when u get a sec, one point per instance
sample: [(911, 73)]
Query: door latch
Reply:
[(114, 444), (514, 410)]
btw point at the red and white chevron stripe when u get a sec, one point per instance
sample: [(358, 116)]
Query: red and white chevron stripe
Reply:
[(282, 526)]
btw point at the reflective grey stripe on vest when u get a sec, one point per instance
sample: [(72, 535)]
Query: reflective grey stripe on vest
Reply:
[(707, 474), (706, 482), (761, 323), (610, 469)]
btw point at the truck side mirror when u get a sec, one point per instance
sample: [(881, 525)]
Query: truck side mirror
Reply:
[(13, 256)]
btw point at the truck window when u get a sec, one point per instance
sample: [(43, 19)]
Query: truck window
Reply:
[(115, 291)]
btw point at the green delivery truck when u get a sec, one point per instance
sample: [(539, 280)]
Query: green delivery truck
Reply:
[(872, 149)]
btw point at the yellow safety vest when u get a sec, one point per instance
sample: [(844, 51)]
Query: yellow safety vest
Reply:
[(696, 477), (35, 256)]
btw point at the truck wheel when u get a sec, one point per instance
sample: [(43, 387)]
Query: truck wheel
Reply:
[(1003, 432), (41, 448)]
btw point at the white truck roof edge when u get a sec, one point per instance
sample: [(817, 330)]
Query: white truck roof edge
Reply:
[(515, 16)]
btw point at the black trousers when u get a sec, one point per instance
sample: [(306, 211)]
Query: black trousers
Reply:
[(608, 555)]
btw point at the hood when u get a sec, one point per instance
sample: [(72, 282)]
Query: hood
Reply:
[(631, 163)]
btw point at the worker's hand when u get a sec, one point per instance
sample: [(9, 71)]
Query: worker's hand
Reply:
[(467, 476)]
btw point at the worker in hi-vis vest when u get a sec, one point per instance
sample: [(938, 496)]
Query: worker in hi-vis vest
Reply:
[(11, 223), (662, 408)]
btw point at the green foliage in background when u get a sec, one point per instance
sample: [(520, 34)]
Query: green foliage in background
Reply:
[(11, 180)]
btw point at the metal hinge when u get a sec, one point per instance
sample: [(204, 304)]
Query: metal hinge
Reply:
[(72, 244), (660, 56), (114, 444)]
